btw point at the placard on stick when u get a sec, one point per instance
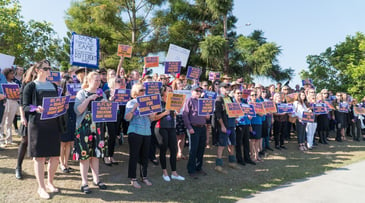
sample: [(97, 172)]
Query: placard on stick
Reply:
[(176, 53), (84, 51), (151, 61), (284, 108), (193, 73), (172, 67), (125, 50)]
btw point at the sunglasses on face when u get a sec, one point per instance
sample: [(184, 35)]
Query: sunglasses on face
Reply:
[(216, 84), (199, 91), (253, 95), (238, 92), (142, 90), (118, 81)]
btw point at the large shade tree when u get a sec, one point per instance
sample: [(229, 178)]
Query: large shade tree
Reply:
[(340, 68)]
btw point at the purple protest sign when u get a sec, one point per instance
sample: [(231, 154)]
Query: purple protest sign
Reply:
[(205, 107), (214, 75), (104, 111), (149, 104), (320, 108), (152, 87), (308, 117), (284, 108), (122, 96), (11, 91), (72, 90), (307, 81), (193, 73), (248, 109), (344, 107), (54, 107), (210, 95), (172, 67), (54, 77)]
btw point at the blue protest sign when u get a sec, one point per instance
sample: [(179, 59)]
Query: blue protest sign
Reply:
[(149, 104)]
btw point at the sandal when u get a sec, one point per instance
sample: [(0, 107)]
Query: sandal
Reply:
[(101, 185), (85, 189), (146, 181), (135, 184)]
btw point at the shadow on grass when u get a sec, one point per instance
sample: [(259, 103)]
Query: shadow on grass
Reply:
[(278, 170)]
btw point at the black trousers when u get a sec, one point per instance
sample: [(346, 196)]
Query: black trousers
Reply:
[(138, 153), (113, 131), (169, 141), (356, 129), (242, 139), (280, 130)]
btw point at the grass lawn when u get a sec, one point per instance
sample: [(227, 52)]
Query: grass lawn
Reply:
[(278, 168)]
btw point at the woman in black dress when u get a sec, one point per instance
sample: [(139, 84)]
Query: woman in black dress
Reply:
[(43, 135)]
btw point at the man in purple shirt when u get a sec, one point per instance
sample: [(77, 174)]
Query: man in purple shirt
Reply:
[(196, 127)]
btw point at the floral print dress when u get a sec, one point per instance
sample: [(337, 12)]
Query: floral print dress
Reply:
[(90, 140)]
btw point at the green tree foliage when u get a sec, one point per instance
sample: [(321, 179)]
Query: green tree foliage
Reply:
[(213, 50), (340, 68), (260, 57), (28, 42), (114, 22)]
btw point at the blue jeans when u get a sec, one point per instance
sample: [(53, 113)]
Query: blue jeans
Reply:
[(197, 142)]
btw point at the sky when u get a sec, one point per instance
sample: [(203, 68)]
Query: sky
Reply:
[(300, 28)]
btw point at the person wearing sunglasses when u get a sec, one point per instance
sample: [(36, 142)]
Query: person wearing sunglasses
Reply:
[(226, 127), (196, 128), (139, 137), (43, 135), (242, 133)]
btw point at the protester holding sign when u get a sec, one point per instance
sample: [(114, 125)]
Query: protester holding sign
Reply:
[(196, 126), (280, 124), (180, 126), (322, 119), (114, 129), (90, 143), (139, 137), (355, 121), (340, 117), (43, 135), (242, 133), (11, 107), (226, 127), (166, 136), (300, 106), (69, 120)]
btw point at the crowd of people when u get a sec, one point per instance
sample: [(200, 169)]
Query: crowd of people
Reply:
[(246, 138)]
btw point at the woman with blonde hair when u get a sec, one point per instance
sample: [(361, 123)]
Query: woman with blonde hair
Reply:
[(90, 143), (139, 137)]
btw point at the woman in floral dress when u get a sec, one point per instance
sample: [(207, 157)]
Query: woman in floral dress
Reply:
[(90, 137)]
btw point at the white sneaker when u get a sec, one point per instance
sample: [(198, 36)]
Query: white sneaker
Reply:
[(166, 178), (178, 177)]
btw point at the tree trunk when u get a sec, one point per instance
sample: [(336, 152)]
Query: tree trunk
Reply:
[(226, 51), (134, 20)]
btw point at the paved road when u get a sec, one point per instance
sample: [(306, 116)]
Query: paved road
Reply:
[(345, 185)]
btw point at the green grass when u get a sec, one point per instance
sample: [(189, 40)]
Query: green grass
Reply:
[(279, 168)]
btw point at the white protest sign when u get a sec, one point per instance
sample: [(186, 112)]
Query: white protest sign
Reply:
[(176, 53), (6, 61), (84, 51)]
